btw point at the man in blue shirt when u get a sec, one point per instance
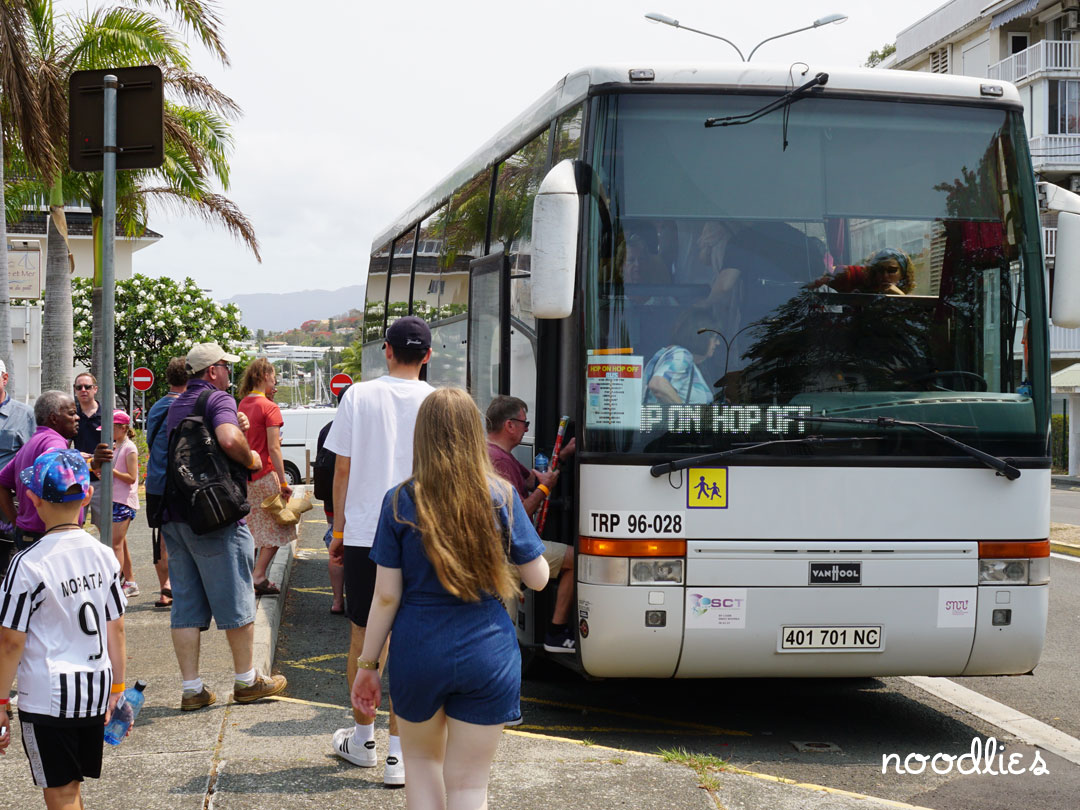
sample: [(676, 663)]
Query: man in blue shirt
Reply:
[(17, 425)]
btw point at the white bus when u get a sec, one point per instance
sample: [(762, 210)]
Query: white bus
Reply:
[(784, 467)]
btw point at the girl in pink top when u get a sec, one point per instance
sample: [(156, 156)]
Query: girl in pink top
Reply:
[(125, 494)]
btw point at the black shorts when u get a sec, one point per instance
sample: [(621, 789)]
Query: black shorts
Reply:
[(62, 754), (359, 583)]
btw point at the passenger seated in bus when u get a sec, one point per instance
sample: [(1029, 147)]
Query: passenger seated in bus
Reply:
[(507, 423), (887, 272), (672, 376)]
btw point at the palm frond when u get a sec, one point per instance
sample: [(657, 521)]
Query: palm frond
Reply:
[(19, 88), (200, 16), (205, 132), (211, 208), (197, 90), (122, 37)]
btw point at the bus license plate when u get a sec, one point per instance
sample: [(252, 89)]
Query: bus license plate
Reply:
[(830, 638)]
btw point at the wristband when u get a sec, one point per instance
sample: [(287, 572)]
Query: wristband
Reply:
[(117, 688), (337, 535), (284, 486), (544, 489), (362, 664), (5, 701)]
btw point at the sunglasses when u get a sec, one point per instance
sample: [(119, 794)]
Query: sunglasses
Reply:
[(85, 387), (525, 422)]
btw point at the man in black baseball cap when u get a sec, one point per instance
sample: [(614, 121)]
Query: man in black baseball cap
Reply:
[(409, 332)]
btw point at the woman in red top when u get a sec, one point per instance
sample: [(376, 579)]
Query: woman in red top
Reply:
[(264, 435)]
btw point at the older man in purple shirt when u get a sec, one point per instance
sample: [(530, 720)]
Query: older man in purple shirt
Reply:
[(58, 422)]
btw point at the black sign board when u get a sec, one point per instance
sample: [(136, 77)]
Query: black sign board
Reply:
[(139, 118)]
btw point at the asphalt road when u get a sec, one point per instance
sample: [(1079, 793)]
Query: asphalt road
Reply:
[(1065, 505), (827, 732)]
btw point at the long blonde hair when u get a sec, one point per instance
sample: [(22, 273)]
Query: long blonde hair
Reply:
[(453, 482)]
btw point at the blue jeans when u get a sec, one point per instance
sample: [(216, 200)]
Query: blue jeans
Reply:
[(210, 575)]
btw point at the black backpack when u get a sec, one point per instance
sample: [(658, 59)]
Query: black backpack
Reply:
[(206, 485), (323, 471)]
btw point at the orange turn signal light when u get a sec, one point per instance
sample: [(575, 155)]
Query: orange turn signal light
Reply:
[(1013, 550), (605, 547)]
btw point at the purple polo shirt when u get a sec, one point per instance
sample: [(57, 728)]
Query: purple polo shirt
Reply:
[(43, 440), (510, 468), (220, 410)]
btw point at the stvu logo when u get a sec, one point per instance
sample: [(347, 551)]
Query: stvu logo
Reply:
[(845, 573)]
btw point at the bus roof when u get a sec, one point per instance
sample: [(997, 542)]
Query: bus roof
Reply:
[(575, 86)]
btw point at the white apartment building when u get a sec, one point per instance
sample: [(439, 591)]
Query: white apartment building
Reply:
[(1035, 44)]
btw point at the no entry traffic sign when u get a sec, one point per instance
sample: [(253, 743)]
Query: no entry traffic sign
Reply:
[(338, 383), (142, 379)]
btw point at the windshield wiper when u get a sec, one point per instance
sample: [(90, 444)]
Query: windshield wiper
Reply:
[(1000, 465), (683, 463), (820, 80)]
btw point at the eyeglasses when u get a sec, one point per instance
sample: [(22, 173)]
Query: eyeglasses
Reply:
[(525, 422), (226, 366), (85, 387)]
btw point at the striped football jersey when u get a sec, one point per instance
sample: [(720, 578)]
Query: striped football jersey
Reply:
[(61, 592)]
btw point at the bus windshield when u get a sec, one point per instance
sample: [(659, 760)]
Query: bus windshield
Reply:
[(849, 257)]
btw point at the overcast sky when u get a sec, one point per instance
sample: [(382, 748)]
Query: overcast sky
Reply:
[(353, 109)]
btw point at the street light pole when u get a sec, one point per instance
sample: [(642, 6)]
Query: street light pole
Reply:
[(665, 20)]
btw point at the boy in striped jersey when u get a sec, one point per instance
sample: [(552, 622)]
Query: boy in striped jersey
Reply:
[(62, 626)]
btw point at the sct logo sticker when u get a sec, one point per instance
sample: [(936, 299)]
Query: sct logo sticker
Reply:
[(716, 609), (706, 488)]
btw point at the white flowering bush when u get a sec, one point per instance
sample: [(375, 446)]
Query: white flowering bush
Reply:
[(157, 319)]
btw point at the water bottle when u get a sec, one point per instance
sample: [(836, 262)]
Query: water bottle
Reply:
[(125, 713), (541, 462)]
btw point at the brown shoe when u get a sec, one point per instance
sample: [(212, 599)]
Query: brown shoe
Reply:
[(263, 687), (196, 700)]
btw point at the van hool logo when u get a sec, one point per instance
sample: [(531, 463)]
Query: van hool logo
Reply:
[(845, 573)]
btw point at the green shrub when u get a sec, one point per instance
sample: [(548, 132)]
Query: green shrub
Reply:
[(1059, 441)]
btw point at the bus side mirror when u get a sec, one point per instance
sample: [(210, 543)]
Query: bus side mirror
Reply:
[(556, 218), (1065, 306)]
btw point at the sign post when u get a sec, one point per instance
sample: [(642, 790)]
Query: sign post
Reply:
[(142, 130), (338, 383)]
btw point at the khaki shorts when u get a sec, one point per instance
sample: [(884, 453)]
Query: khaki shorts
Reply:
[(554, 553)]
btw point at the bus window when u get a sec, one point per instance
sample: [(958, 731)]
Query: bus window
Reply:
[(568, 135), (511, 228), (372, 359)]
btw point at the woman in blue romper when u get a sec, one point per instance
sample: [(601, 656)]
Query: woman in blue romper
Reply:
[(442, 549)]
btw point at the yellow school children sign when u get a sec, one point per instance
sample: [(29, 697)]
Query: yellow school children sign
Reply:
[(707, 488)]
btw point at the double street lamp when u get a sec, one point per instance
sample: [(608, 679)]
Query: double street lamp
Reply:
[(826, 20)]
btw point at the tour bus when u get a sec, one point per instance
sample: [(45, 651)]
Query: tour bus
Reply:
[(787, 463)]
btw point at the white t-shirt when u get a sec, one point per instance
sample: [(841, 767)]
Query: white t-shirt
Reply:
[(61, 592), (374, 429)]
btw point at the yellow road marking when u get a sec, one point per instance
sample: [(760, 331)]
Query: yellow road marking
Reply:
[(634, 716), (617, 730), (317, 658), (325, 590)]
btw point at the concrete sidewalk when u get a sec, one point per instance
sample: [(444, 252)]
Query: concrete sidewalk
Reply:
[(276, 754)]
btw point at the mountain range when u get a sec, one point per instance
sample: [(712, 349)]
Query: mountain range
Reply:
[(278, 312)]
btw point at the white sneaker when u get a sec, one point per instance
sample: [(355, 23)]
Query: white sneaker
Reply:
[(394, 775), (130, 588), (344, 747)]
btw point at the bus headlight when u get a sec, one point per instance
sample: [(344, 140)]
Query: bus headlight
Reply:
[(1005, 572), (656, 572), (602, 570)]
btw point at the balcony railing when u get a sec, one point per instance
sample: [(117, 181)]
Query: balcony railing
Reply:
[(1055, 150), (1048, 55)]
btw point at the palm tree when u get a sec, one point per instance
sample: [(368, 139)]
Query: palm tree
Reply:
[(120, 36), (20, 112)]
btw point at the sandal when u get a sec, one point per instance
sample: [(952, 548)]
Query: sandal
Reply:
[(339, 612), (267, 588), (164, 602), (167, 592)]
